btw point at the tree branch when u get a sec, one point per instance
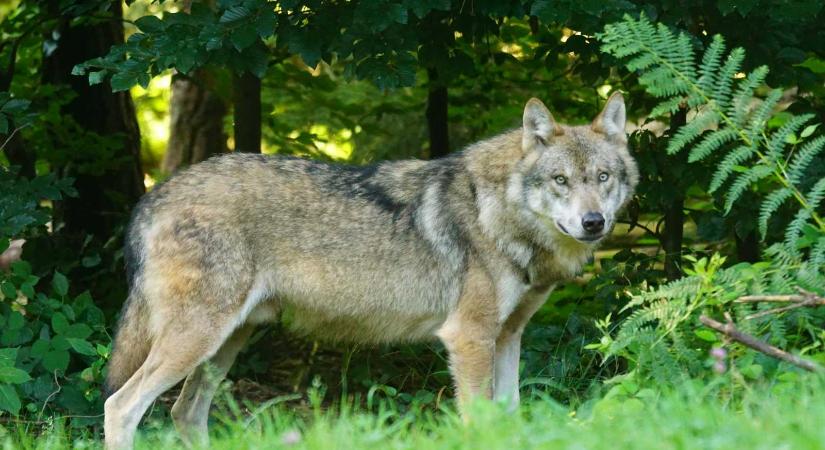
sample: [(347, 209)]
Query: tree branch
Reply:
[(730, 330), (801, 300)]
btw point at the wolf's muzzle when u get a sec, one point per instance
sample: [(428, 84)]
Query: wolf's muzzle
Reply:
[(593, 222)]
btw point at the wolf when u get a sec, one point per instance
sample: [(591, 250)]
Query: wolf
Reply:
[(464, 248)]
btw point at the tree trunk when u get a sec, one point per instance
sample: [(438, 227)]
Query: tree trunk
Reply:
[(673, 233), (436, 113), (672, 237), (105, 198), (196, 122), (246, 93)]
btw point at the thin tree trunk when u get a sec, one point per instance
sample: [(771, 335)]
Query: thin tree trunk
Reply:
[(673, 232), (106, 197), (672, 237), (246, 93), (747, 248), (196, 122), (437, 124)]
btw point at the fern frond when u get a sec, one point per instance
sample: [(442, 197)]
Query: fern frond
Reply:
[(692, 130), (743, 181), (733, 159), (778, 140), (794, 229), (721, 91), (711, 61), (668, 106), (756, 122), (772, 203), (740, 106), (804, 157), (817, 258), (659, 82), (712, 142), (816, 194)]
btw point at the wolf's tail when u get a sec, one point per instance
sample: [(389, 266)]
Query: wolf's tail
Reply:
[(131, 345)]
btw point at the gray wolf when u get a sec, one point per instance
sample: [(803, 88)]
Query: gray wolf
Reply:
[(464, 248)]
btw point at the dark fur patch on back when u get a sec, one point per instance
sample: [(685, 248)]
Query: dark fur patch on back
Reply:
[(358, 182)]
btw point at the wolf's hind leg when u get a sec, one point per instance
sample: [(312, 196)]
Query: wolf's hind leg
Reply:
[(191, 410), (173, 356)]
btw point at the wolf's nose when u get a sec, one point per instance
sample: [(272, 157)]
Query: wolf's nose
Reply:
[(593, 222)]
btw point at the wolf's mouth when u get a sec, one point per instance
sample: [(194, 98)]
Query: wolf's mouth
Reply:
[(587, 239)]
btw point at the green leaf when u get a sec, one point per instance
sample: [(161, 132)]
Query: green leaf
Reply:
[(123, 81), (82, 346), (243, 37), (809, 130), (422, 7), (56, 360), (234, 14), (706, 335), (97, 77), (16, 321), (60, 284), (15, 106), (28, 290), (59, 323), (13, 375), (815, 65), (8, 290), (104, 350), (150, 24), (39, 348), (266, 23), (8, 357), (60, 343), (9, 400), (78, 331)]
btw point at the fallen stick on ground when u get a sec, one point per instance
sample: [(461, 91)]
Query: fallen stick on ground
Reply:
[(730, 330)]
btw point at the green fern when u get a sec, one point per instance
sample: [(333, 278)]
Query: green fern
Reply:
[(772, 203), (666, 65), (726, 121), (804, 158)]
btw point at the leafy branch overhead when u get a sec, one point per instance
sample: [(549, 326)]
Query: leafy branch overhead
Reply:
[(724, 123), (373, 37)]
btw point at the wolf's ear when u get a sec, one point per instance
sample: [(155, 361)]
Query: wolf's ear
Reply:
[(611, 121), (538, 123)]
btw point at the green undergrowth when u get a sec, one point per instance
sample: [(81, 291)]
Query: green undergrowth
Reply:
[(694, 416)]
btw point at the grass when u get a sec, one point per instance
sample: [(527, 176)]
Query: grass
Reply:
[(784, 416)]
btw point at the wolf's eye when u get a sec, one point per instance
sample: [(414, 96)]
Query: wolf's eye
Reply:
[(561, 180), (603, 177)]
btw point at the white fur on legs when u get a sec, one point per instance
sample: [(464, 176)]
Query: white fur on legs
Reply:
[(191, 410), (506, 385), (172, 358), (126, 407)]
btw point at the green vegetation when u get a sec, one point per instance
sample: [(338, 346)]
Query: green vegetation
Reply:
[(731, 203), (641, 419)]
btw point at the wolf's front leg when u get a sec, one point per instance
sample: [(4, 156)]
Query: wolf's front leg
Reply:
[(508, 348), (471, 347)]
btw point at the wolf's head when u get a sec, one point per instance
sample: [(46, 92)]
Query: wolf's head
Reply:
[(572, 180)]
